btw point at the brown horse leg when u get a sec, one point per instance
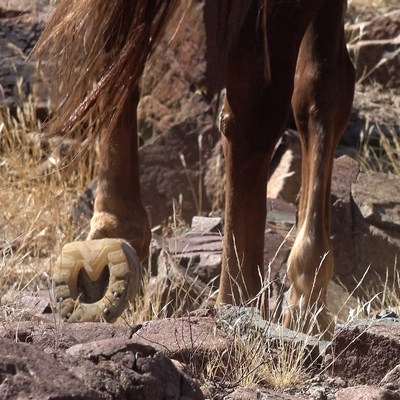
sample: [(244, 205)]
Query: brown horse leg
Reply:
[(252, 120), (322, 100), (118, 209), (95, 279)]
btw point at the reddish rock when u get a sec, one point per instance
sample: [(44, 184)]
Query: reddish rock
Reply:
[(392, 380), (28, 373), (375, 49), (185, 339), (377, 61), (366, 393), (386, 26), (260, 393), (364, 352), (47, 337), (171, 167), (61, 362)]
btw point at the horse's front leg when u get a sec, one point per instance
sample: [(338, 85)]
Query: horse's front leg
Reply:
[(322, 100)]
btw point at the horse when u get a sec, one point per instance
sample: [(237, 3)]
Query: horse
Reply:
[(272, 56)]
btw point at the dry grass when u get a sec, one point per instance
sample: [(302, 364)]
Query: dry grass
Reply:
[(36, 198)]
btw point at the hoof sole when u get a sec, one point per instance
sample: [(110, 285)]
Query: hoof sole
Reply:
[(94, 256)]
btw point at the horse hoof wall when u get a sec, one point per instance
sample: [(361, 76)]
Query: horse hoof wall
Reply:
[(94, 280)]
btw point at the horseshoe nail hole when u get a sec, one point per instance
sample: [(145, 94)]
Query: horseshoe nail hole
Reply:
[(91, 291)]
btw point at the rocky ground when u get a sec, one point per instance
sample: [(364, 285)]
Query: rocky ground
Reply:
[(206, 354)]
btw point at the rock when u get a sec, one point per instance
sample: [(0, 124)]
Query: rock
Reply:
[(366, 393), (177, 291), (365, 351), (46, 336), (341, 303), (26, 5), (376, 226), (386, 26), (194, 339), (378, 207), (207, 225), (131, 370), (171, 167), (377, 61), (345, 172), (19, 32), (285, 180), (260, 394), (33, 303), (82, 361), (172, 83), (200, 255), (391, 380), (375, 49), (244, 321), (27, 372)]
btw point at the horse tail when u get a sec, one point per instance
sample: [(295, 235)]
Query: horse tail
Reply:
[(94, 52)]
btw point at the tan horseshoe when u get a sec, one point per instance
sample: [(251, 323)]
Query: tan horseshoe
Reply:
[(94, 256)]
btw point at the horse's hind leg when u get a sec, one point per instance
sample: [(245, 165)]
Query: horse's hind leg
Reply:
[(322, 100), (118, 209), (95, 279)]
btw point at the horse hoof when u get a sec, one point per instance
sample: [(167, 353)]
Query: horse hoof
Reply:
[(94, 280)]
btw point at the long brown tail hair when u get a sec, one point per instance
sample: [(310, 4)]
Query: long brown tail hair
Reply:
[(94, 50)]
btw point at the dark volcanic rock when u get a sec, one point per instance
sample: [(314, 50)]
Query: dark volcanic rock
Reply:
[(113, 368), (365, 351), (366, 393), (19, 78), (26, 372)]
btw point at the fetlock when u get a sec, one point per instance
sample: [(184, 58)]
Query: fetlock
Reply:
[(136, 231)]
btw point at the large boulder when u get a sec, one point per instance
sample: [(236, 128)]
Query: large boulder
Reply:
[(374, 47), (19, 77)]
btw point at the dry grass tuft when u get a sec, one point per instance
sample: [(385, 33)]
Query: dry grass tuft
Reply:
[(36, 197)]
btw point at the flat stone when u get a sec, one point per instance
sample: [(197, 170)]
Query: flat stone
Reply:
[(207, 224), (260, 394), (184, 338), (364, 392), (51, 335)]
